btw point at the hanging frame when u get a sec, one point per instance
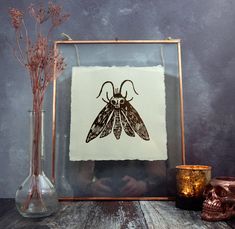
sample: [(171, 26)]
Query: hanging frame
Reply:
[(118, 174)]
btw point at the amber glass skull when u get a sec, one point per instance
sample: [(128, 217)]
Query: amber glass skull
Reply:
[(220, 199)]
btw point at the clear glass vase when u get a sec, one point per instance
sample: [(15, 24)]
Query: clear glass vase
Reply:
[(63, 186), (36, 196)]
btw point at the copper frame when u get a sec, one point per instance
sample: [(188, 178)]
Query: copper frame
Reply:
[(167, 41)]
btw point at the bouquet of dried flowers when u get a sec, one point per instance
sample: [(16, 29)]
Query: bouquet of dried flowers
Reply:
[(35, 51), (38, 55)]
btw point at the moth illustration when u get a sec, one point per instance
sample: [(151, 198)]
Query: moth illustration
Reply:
[(118, 114)]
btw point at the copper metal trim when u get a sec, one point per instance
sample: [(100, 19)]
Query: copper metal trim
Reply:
[(168, 41), (115, 198), (53, 121), (181, 103)]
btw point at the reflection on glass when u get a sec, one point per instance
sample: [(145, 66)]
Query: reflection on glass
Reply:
[(121, 178), (63, 187)]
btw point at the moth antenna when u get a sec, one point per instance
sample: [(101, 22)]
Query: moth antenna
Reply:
[(125, 95), (105, 100), (130, 99), (120, 91), (107, 96), (103, 86)]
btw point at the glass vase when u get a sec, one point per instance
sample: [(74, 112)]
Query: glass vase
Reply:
[(63, 186), (36, 196)]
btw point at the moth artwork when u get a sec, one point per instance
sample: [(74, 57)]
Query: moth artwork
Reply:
[(117, 115)]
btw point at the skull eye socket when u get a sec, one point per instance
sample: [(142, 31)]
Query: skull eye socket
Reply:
[(113, 102), (208, 188), (220, 191), (121, 101), (232, 189)]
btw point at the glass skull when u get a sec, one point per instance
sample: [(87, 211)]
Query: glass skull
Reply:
[(220, 199)]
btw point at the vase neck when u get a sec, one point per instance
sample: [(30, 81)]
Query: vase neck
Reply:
[(36, 141)]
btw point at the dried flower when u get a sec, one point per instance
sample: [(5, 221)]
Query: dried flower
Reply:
[(40, 14), (57, 18), (43, 64), (38, 55), (54, 9), (16, 17)]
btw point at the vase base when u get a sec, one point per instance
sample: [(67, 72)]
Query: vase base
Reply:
[(35, 215), (36, 197), (32, 213)]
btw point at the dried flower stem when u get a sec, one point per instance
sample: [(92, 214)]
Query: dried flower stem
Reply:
[(38, 57), (20, 52), (26, 35)]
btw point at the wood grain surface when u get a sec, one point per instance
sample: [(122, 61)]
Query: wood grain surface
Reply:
[(110, 215)]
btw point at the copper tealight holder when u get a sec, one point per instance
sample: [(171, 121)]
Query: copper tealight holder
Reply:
[(191, 181)]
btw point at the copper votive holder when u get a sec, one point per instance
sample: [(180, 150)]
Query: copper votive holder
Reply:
[(191, 181)]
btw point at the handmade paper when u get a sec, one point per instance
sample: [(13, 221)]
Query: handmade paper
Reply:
[(150, 104)]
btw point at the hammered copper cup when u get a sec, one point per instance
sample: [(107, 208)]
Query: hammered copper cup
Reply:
[(191, 181)]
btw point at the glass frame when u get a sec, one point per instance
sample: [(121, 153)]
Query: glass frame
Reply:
[(86, 53)]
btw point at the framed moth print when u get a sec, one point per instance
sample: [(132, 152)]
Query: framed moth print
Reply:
[(118, 120)]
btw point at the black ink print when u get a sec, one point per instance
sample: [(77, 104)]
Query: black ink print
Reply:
[(118, 114)]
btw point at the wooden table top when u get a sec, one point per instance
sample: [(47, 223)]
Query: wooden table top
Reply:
[(110, 215)]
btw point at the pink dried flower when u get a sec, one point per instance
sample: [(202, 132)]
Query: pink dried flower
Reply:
[(37, 54), (54, 9), (35, 51), (39, 13), (16, 17), (54, 58), (59, 20), (56, 17)]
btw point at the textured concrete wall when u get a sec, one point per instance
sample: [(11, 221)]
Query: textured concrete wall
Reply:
[(208, 51)]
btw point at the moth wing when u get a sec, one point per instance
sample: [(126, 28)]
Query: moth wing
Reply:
[(126, 126), (117, 128), (135, 121), (99, 123), (108, 127)]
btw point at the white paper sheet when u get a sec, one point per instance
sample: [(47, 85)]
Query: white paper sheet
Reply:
[(149, 103)]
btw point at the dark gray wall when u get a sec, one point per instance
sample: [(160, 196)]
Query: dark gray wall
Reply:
[(208, 50)]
